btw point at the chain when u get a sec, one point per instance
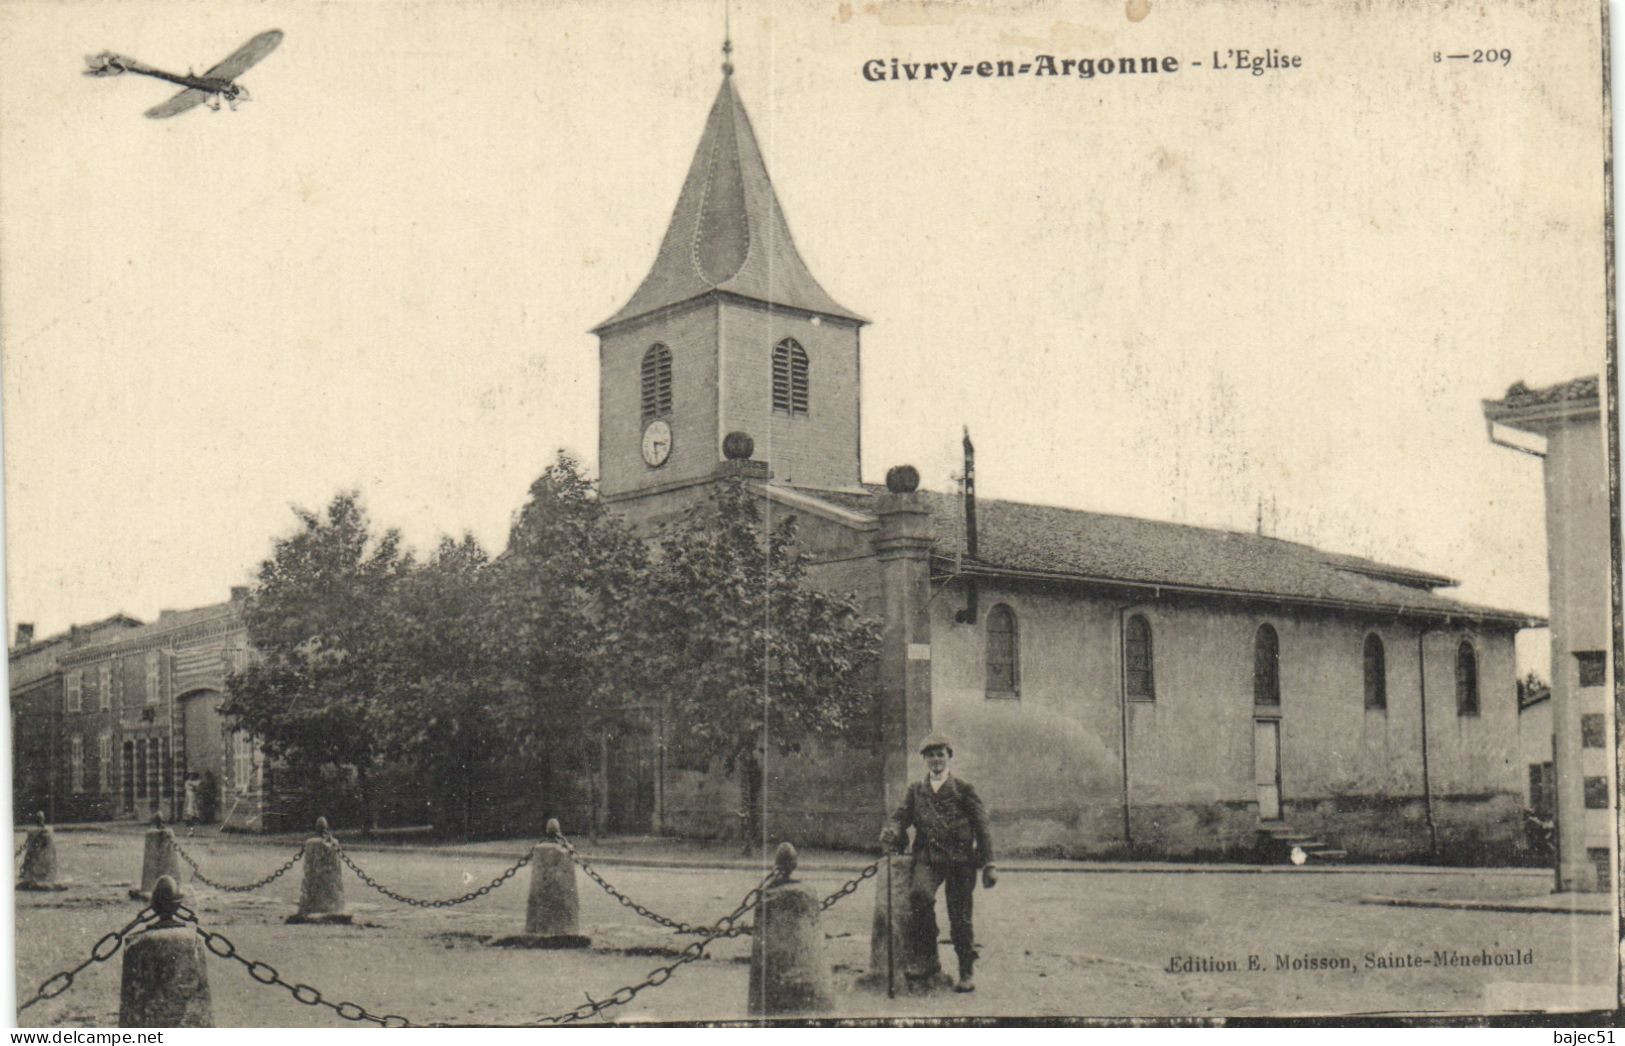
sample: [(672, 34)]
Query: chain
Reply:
[(660, 975), (55, 985), (263, 972), (273, 877), (625, 994), (418, 903), (723, 927), (851, 886), (20, 848)]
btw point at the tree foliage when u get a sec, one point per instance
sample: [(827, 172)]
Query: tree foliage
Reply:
[(750, 655), (451, 708), (495, 678), (315, 692), (564, 598)]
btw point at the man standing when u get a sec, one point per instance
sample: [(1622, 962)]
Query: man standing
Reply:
[(951, 841)]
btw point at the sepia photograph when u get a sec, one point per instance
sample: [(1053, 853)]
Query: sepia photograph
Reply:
[(712, 512)]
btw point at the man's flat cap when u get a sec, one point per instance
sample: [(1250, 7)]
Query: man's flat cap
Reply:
[(935, 740)]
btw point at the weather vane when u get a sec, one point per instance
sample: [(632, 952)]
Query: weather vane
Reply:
[(727, 42), (217, 84)]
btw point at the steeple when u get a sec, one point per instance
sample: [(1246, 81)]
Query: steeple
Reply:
[(727, 232)]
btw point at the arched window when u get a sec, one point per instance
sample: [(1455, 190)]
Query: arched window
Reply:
[(1266, 667), (1003, 653), (790, 377), (656, 382), (1466, 680), (1376, 673), (1137, 660)]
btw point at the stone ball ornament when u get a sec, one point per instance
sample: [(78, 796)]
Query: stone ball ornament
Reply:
[(903, 479), (738, 446)]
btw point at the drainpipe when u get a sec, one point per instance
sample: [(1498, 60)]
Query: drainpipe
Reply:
[(1122, 707), (1427, 787)]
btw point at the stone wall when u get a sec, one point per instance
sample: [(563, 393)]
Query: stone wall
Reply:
[(1050, 761)]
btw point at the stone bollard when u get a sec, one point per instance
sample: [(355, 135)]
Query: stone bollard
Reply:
[(788, 974), (889, 959), (165, 982), (158, 859), (553, 911), (321, 893), (39, 858)]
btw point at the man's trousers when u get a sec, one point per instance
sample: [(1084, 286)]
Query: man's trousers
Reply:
[(924, 879)]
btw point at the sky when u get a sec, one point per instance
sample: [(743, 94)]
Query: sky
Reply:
[(1170, 296)]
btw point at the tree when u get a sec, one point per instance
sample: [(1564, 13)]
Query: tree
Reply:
[(318, 621), (564, 596), (452, 708), (752, 656), (1531, 688)]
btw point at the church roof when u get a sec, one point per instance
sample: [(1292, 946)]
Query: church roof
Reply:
[(727, 232), (1047, 541)]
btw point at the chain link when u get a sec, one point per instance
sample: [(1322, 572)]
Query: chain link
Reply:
[(625, 994), (263, 972), (56, 984), (197, 872), (418, 902), (723, 927), (851, 886)]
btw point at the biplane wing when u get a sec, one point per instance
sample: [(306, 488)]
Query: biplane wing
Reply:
[(245, 56), (179, 103)]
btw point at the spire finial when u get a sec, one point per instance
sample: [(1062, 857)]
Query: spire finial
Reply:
[(727, 41)]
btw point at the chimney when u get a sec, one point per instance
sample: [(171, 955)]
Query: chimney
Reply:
[(25, 633), (970, 496), (239, 593), (967, 616)]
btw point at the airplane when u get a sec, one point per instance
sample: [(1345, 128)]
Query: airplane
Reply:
[(219, 82)]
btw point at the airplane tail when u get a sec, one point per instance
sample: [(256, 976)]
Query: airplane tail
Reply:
[(105, 64)]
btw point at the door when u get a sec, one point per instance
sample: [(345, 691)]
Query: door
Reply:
[(1267, 767)]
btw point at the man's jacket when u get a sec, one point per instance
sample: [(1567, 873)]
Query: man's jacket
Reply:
[(949, 824)]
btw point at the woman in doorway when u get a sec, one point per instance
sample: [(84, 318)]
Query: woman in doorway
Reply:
[(189, 804)]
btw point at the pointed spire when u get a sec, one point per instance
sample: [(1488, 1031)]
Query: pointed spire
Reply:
[(727, 232)]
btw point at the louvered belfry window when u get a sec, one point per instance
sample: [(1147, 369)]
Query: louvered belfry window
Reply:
[(656, 382), (790, 380)]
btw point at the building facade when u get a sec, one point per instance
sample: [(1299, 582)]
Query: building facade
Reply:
[(1114, 685), (126, 713), (1568, 418), (38, 773)]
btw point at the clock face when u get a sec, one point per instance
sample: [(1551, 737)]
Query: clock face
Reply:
[(656, 443)]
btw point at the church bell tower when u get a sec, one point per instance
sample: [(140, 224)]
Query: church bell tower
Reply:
[(729, 332)]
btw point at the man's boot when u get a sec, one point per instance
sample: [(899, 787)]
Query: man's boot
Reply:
[(966, 982)]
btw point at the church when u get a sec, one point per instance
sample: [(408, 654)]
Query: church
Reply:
[(1115, 686)]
